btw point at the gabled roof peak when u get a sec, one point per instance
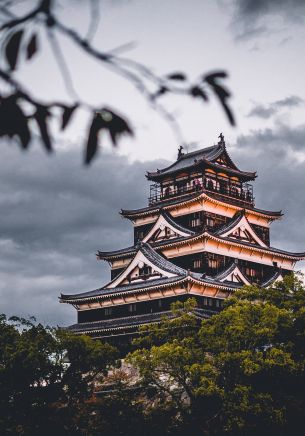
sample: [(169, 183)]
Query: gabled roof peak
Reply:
[(205, 156)]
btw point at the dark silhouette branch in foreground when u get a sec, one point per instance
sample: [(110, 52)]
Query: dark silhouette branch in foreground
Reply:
[(20, 111)]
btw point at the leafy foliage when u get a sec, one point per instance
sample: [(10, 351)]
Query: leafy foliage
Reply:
[(238, 373), (46, 377), (243, 373)]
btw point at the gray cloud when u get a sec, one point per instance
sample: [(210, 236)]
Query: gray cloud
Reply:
[(267, 111), (55, 214), (290, 10), (254, 18), (275, 153)]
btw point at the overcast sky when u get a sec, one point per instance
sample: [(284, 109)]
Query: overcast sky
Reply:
[(55, 214)]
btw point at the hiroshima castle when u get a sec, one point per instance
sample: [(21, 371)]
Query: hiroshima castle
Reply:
[(200, 236)]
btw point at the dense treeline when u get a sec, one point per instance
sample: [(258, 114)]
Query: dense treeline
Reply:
[(239, 373)]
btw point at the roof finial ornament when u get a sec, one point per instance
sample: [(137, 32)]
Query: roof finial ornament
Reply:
[(221, 139), (180, 152)]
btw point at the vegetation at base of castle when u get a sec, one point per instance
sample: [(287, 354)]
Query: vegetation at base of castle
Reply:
[(241, 372), (46, 376)]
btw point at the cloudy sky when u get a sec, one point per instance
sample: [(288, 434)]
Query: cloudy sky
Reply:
[(55, 213)]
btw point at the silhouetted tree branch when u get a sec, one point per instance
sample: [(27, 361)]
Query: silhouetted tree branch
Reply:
[(19, 104)]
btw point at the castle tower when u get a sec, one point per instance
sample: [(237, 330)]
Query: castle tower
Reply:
[(200, 236)]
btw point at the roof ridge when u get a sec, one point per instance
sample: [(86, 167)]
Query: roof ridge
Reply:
[(162, 262), (104, 291), (172, 221), (277, 272), (226, 271), (231, 224), (190, 197), (183, 157)]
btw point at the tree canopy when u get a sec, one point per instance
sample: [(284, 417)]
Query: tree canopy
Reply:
[(240, 372), (243, 373)]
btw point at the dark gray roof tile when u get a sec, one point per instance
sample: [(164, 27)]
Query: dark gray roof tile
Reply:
[(132, 321)]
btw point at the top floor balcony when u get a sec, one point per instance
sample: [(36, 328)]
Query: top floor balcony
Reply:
[(237, 193)]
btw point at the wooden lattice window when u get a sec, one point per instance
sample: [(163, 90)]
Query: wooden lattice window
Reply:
[(108, 311), (197, 263), (145, 270), (132, 308)]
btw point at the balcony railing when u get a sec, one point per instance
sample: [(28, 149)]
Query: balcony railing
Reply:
[(238, 195)]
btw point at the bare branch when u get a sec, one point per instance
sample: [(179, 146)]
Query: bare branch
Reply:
[(58, 55), (94, 20)]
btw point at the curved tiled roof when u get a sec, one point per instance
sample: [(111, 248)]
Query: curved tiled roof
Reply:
[(231, 224), (134, 213), (116, 253), (132, 249), (216, 234), (208, 280), (222, 274), (162, 282), (131, 321), (169, 202), (100, 292), (259, 247), (277, 273), (195, 158), (155, 258), (176, 225), (234, 222), (160, 261)]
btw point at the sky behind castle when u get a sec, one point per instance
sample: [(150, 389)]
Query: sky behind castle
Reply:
[(56, 214)]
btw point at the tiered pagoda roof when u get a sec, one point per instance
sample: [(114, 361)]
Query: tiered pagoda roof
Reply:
[(156, 268), (224, 234), (177, 275), (205, 157), (171, 204), (129, 324)]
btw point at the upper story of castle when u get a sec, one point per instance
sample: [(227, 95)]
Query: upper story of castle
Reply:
[(209, 170)]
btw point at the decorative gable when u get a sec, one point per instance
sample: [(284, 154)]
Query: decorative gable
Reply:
[(222, 160), (165, 228), (141, 268), (243, 231), (235, 276), (163, 232)]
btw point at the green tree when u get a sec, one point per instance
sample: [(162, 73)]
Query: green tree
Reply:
[(46, 377), (242, 372), (183, 375)]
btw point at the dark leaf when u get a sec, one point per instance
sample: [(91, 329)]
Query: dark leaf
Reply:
[(41, 116), (13, 121), (92, 142), (196, 91), (67, 114), (105, 120), (177, 76), (160, 92), (228, 112), (223, 95), (221, 92), (12, 48), (116, 126), (31, 47), (214, 76)]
